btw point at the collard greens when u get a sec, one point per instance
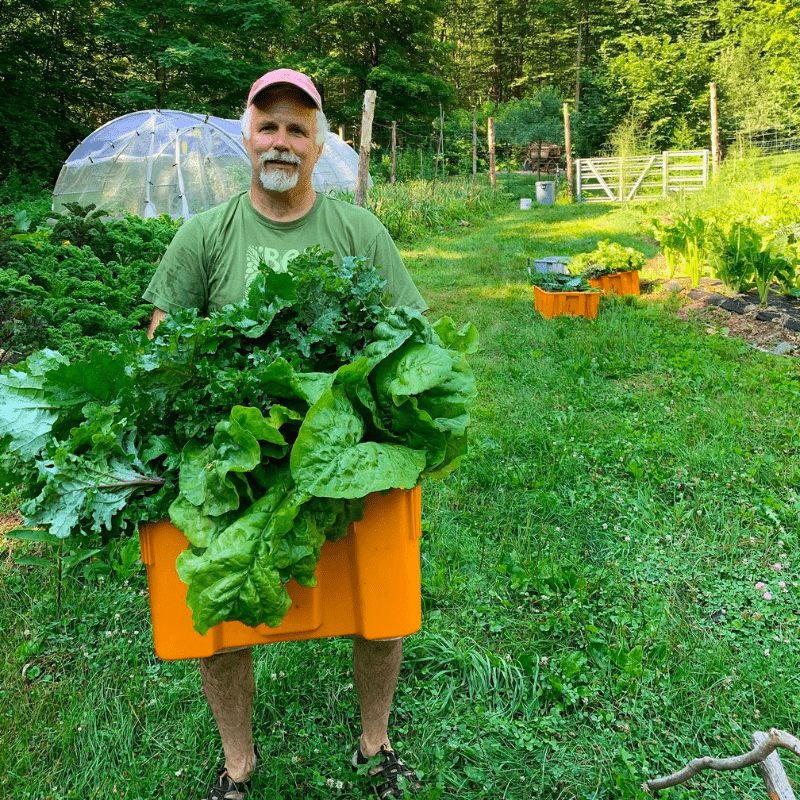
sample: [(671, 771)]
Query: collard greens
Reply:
[(258, 430)]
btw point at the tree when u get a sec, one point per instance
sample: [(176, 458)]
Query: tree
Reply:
[(194, 55), (657, 82), (53, 77), (758, 72)]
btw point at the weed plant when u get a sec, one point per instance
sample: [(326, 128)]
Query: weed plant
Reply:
[(609, 580)]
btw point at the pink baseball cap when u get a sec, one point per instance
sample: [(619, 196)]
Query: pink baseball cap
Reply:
[(289, 76)]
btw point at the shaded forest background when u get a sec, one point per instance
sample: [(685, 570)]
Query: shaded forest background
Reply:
[(631, 68)]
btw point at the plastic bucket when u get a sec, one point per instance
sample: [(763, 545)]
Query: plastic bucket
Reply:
[(545, 193), (525, 204)]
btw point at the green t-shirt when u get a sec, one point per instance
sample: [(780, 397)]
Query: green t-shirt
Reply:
[(215, 255)]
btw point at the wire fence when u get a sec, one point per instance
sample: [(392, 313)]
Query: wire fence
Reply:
[(422, 151), (765, 143)]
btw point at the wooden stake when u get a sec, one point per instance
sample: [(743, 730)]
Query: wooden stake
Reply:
[(441, 139), (474, 143), (716, 158), (367, 113), (436, 165), (771, 769), (393, 176), (490, 134), (568, 149)]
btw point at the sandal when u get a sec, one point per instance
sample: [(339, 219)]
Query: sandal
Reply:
[(225, 788), (390, 777)]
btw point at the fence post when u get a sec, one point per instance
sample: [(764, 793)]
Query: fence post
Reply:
[(664, 174), (393, 176), (578, 180), (490, 135), (715, 148), (367, 113), (568, 148), (474, 143)]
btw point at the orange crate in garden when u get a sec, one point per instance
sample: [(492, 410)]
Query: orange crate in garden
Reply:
[(620, 283), (368, 583), (573, 304)]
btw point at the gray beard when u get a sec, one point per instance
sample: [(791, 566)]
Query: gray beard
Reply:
[(278, 180)]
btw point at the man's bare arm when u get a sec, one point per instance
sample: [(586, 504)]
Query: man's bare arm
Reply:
[(158, 316)]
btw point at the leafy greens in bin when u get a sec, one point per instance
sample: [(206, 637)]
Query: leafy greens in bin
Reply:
[(259, 429)]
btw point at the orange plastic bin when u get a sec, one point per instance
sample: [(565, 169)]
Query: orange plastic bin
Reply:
[(368, 583)]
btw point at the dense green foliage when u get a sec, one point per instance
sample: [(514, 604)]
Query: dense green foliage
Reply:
[(65, 67), (79, 284)]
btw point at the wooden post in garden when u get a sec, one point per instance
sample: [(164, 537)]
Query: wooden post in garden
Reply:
[(441, 140), (716, 158), (474, 143), (367, 113), (393, 176), (568, 148), (436, 162), (490, 134), (772, 771)]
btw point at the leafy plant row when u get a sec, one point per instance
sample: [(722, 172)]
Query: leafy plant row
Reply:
[(747, 243), (75, 285)]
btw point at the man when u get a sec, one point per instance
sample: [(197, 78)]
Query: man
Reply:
[(210, 263)]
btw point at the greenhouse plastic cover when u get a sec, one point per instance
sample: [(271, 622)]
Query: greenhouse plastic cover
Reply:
[(150, 163)]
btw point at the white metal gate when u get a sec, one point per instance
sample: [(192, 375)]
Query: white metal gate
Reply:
[(602, 180)]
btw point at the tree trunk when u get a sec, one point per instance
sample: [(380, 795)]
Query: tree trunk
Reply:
[(490, 132), (578, 61)]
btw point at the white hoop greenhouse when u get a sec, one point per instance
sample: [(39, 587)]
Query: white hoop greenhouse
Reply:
[(149, 163)]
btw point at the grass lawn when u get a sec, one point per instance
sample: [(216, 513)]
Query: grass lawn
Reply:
[(609, 583)]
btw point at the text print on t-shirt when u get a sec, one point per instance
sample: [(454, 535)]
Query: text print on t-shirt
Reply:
[(258, 254)]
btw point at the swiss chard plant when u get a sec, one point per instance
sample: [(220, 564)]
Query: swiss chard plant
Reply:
[(258, 430), (608, 258), (771, 265), (683, 241), (731, 252)]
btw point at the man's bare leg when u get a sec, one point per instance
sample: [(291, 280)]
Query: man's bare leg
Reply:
[(229, 687), (376, 666)]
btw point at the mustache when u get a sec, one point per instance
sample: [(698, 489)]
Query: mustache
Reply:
[(275, 156)]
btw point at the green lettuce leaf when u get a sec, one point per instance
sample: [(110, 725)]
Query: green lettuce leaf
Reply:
[(236, 577), (329, 458)]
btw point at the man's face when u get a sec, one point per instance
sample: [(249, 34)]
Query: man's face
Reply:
[(281, 146)]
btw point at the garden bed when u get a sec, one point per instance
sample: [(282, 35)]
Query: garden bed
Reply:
[(774, 328)]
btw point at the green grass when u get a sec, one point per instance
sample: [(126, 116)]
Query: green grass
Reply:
[(590, 610)]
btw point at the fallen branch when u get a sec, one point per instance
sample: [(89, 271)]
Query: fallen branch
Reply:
[(775, 738)]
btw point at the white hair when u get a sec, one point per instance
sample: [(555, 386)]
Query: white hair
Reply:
[(320, 132)]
